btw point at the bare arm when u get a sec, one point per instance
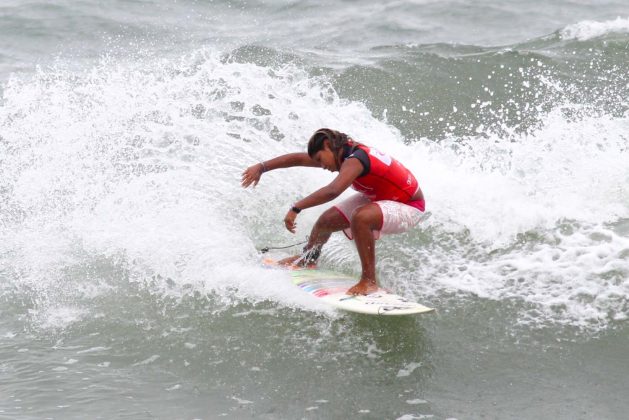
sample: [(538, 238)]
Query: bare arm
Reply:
[(350, 170), (252, 174), (290, 160)]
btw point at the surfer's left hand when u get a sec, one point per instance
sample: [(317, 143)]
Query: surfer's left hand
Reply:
[(289, 221)]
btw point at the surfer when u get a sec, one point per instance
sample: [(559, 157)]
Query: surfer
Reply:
[(389, 199)]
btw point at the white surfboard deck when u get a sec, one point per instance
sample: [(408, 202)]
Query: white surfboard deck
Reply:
[(332, 288)]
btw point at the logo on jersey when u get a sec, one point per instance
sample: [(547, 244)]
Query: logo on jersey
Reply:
[(382, 157)]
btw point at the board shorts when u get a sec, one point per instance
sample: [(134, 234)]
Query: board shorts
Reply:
[(396, 217)]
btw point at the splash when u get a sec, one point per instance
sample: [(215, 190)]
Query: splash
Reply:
[(130, 173), (589, 29), (140, 165)]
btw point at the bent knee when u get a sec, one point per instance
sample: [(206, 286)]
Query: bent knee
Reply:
[(332, 219)]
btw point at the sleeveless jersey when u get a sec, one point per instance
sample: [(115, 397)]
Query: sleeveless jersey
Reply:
[(387, 179)]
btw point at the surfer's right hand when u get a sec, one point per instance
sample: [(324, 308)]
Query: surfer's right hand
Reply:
[(289, 221), (252, 175)]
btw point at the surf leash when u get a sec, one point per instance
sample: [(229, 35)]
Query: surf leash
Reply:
[(268, 248)]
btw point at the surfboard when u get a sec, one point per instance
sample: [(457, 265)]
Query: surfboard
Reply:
[(331, 287)]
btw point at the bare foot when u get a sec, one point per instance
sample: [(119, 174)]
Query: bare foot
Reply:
[(363, 287), (289, 260), (295, 261)]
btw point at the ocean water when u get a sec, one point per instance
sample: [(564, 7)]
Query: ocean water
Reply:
[(130, 277)]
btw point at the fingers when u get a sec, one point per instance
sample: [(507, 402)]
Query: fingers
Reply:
[(290, 224), (250, 176)]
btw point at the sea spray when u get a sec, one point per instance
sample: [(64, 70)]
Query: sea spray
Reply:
[(139, 164)]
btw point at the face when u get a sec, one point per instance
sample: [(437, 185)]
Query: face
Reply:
[(325, 158)]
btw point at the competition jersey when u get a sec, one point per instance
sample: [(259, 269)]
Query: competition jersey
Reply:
[(383, 178)]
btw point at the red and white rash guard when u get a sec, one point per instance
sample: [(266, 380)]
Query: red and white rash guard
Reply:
[(383, 177)]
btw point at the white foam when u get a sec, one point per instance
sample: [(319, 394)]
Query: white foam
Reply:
[(589, 29), (96, 349), (498, 188), (147, 361), (570, 173), (408, 369), (416, 401), (57, 317), (241, 401), (141, 166)]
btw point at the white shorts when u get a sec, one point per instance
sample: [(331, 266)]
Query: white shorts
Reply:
[(396, 217)]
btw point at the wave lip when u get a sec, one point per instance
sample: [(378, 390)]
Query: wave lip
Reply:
[(589, 29)]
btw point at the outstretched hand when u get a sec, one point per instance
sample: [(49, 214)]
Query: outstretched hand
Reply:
[(251, 175)]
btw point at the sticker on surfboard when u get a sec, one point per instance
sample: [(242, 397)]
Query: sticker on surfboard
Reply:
[(331, 288)]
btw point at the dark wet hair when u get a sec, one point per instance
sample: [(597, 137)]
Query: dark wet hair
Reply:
[(336, 138)]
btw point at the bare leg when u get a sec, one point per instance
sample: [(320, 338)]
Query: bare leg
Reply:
[(329, 222), (365, 220)]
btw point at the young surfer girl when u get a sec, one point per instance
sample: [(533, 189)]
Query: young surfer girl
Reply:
[(388, 201)]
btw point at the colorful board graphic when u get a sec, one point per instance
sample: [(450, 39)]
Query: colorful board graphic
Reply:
[(331, 287)]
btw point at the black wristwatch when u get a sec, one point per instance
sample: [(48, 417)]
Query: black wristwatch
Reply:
[(295, 209)]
